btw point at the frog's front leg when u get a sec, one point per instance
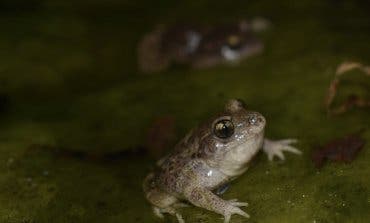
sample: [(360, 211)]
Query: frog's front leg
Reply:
[(204, 198), (276, 148)]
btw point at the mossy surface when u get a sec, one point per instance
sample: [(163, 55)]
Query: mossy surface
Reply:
[(68, 79)]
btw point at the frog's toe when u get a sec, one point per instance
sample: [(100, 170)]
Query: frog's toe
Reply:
[(291, 149), (287, 141), (279, 154), (234, 209), (157, 212), (179, 218), (236, 203)]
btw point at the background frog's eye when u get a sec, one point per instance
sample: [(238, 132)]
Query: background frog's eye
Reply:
[(233, 41), (224, 129)]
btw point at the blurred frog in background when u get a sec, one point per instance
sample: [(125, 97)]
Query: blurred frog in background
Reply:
[(199, 47)]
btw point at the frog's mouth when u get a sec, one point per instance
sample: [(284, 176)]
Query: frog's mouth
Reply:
[(234, 54), (235, 161), (230, 54)]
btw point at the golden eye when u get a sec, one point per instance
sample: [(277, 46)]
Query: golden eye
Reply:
[(233, 40), (224, 129)]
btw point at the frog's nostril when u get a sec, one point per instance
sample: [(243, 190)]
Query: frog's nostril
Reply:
[(253, 120)]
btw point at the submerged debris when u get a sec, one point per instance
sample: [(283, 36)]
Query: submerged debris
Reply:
[(342, 149), (352, 100)]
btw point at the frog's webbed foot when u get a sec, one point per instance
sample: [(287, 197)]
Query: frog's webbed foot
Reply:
[(276, 148), (170, 210), (233, 208), (204, 198)]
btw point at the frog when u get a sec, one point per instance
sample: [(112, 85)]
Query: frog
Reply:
[(165, 45), (228, 44), (198, 46), (209, 157)]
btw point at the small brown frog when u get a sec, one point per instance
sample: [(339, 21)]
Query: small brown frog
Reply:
[(209, 157)]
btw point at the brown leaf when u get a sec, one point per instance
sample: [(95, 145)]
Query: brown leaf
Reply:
[(343, 149), (353, 100)]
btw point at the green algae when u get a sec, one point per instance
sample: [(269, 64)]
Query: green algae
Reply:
[(70, 72)]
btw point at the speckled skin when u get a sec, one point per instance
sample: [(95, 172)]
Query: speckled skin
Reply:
[(202, 162)]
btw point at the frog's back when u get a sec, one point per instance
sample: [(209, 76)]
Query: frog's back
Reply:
[(177, 169)]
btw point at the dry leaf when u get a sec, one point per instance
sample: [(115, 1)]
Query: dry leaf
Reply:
[(353, 100)]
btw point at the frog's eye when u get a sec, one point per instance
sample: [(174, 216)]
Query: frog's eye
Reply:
[(233, 41), (224, 129)]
